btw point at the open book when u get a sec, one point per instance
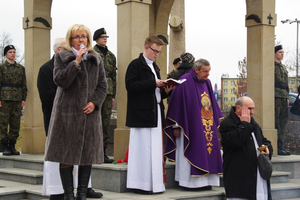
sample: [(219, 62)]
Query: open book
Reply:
[(173, 82)]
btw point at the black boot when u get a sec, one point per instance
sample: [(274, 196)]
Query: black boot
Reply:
[(66, 175), (84, 173), (5, 147), (12, 144), (106, 158)]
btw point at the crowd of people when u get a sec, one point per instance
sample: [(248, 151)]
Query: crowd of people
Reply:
[(77, 88)]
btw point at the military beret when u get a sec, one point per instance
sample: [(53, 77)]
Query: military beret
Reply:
[(187, 58), (278, 47), (98, 33), (7, 48)]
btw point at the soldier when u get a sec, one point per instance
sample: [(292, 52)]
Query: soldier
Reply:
[(109, 61), (176, 63), (12, 100), (281, 99)]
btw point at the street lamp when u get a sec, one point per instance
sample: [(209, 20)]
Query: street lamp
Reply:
[(297, 63)]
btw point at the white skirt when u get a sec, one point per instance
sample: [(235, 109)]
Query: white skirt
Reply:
[(145, 160)]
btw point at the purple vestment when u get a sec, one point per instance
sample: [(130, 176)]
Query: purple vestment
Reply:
[(195, 110)]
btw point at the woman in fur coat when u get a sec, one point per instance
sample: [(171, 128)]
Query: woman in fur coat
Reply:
[(75, 130)]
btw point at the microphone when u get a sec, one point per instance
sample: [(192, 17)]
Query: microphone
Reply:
[(83, 55)]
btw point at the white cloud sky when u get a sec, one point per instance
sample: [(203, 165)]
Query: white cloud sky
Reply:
[(215, 29)]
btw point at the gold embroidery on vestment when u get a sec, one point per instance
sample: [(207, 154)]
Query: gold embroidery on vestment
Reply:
[(207, 120)]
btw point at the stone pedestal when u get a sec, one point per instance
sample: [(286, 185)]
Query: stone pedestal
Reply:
[(260, 65), (36, 24), (133, 20)]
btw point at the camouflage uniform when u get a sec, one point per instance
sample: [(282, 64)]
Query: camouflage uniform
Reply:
[(110, 69), (13, 91), (281, 105)]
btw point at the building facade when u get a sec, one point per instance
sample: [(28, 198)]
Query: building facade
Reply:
[(233, 88)]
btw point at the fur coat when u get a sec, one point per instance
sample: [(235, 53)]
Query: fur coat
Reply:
[(73, 137)]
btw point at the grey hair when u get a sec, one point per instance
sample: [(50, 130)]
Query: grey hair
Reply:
[(200, 62), (57, 43), (239, 101)]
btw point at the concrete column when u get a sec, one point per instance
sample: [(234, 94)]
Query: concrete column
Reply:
[(37, 25), (177, 32), (260, 23), (133, 28)]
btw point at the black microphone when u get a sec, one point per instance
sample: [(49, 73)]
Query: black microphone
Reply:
[(83, 55)]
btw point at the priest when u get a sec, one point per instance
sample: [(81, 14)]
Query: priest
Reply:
[(191, 128)]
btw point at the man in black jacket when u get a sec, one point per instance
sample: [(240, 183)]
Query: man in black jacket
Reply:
[(186, 65), (241, 136), (144, 117)]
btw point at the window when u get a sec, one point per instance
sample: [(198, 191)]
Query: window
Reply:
[(232, 99), (225, 82), (232, 83), (232, 91), (291, 81), (225, 91), (225, 99)]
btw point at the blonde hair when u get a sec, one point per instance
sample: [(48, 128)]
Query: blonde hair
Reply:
[(73, 29)]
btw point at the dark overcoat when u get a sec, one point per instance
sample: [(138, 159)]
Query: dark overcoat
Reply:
[(141, 99), (47, 90), (240, 157), (73, 137)]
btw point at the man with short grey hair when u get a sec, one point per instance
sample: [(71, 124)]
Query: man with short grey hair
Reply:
[(191, 128)]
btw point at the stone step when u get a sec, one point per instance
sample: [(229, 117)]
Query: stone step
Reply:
[(33, 177), (292, 199), (286, 190), (287, 164), (10, 190), (25, 161), (280, 177)]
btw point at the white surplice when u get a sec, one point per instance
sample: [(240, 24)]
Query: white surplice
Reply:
[(183, 170), (51, 178), (145, 160)]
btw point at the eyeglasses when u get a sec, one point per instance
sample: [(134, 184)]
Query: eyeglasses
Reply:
[(77, 37), (155, 51), (104, 36)]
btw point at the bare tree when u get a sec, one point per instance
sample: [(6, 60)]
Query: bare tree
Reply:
[(5, 39), (241, 84)]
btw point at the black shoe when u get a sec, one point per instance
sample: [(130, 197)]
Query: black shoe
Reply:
[(57, 197), (288, 152), (107, 159), (283, 152), (138, 191), (90, 193)]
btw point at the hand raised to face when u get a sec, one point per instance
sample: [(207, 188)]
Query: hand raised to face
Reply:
[(244, 114)]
